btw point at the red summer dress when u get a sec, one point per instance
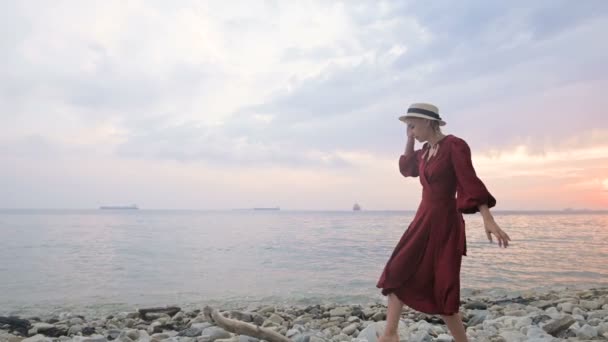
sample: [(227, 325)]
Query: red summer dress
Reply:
[(424, 268)]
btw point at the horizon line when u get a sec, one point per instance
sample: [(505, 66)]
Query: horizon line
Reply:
[(565, 210)]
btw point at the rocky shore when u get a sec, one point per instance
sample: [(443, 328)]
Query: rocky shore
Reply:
[(565, 315)]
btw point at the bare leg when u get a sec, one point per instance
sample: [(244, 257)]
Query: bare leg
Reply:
[(392, 319), (456, 327)]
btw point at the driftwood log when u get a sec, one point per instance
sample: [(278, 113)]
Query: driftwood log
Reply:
[(242, 328)]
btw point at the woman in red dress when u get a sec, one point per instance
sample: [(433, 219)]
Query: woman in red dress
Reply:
[(423, 271)]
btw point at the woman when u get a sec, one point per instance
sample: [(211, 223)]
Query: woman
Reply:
[(423, 271)]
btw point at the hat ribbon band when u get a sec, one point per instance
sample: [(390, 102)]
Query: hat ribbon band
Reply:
[(425, 112)]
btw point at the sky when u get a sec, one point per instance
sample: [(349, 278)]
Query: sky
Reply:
[(240, 104)]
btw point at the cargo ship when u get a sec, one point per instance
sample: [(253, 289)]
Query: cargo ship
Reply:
[(119, 207)]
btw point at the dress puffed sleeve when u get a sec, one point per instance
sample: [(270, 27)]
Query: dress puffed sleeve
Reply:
[(408, 164), (471, 192)]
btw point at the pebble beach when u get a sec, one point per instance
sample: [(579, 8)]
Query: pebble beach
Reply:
[(548, 315)]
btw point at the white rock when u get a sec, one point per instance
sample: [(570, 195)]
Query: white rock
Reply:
[(503, 322), (76, 320), (38, 338), (578, 311), (293, 332), (602, 328), (342, 337), (553, 313), (124, 337), (484, 336), (477, 317), (332, 331), (379, 316), (178, 339), (341, 311), (444, 338), (541, 339), (586, 332), (143, 336), (92, 338), (276, 319), (75, 329), (578, 318), (518, 313), (202, 326), (437, 330), (513, 336), (65, 315), (244, 338), (535, 332), (266, 309), (566, 307), (420, 336), (5, 336), (590, 304), (491, 326), (129, 322), (523, 322), (40, 327), (369, 312), (152, 327), (165, 335), (179, 316), (349, 330), (374, 330), (601, 314), (121, 316), (423, 326), (213, 333), (366, 324)]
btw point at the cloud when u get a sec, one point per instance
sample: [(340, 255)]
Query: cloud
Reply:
[(316, 72), (190, 141), (496, 58), (305, 87)]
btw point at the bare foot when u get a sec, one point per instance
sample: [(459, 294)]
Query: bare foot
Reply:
[(389, 338)]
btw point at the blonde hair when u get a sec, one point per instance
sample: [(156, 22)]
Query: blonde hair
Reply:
[(435, 126)]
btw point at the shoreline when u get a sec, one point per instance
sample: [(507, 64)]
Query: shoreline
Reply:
[(108, 306), (573, 211), (552, 314)]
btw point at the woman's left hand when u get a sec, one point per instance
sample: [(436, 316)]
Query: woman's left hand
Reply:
[(492, 228)]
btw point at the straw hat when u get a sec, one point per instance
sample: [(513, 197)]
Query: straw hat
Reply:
[(423, 111)]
